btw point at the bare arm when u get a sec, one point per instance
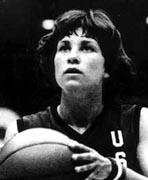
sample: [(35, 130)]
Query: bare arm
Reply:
[(142, 151), (132, 175)]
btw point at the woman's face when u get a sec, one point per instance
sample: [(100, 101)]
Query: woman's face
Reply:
[(79, 62)]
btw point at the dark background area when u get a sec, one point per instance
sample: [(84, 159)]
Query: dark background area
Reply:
[(20, 29)]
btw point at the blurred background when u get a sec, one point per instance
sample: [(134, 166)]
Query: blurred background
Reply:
[(23, 22)]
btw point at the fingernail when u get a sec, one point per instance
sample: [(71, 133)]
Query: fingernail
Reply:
[(77, 169), (74, 157)]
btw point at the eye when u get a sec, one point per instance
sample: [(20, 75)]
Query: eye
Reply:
[(64, 48), (87, 48)]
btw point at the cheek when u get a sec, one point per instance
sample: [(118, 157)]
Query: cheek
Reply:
[(97, 64), (56, 67), (59, 68), (57, 63)]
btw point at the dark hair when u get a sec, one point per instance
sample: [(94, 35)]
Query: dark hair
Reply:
[(98, 25)]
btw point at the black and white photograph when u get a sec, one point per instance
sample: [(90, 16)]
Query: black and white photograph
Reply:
[(73, 90)]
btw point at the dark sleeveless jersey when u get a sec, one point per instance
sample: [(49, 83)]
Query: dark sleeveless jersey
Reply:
[(114, 133)]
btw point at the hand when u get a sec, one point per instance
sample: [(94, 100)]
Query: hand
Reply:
[(98, 166)]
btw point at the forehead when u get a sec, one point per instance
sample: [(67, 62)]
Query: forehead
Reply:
[(79, 35)]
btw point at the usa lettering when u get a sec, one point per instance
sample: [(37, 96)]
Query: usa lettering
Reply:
[(117, 138), (117, 141)]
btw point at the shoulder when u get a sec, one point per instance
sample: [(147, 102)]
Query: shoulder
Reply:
[(130, 107), (130, 113), (144, 113), (39, 115), (38, 119), (129, 118), (143, 126)]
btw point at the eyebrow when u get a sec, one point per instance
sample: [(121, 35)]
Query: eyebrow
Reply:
[(66, 42), (84, 42)]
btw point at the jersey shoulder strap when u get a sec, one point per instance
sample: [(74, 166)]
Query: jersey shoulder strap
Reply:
[(130, 115), (41, 119)]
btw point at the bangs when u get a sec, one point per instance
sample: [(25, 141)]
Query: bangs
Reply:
[(85, 20)]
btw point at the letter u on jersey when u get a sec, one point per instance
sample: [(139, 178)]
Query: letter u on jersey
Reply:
[(117, 138)]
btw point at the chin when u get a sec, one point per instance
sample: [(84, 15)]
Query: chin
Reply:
[(72, 86), (75, 85)]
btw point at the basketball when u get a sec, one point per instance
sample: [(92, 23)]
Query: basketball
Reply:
[(37, 153)]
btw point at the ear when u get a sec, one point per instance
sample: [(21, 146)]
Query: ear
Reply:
[(106, 75)]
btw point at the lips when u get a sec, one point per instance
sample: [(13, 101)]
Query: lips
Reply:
[(73, 71)]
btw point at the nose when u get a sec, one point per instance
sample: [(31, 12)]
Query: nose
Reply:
[(73, 58), (73, 61)]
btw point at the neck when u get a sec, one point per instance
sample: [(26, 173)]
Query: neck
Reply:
[(80, 109)]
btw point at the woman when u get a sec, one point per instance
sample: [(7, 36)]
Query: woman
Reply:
[(91, 68)]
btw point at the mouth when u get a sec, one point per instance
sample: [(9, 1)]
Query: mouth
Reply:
[(72, 71)]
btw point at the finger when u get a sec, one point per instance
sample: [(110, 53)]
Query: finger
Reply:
[(84, 156), (91, 176), (84, 168), (75, 146), (95, 175)]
